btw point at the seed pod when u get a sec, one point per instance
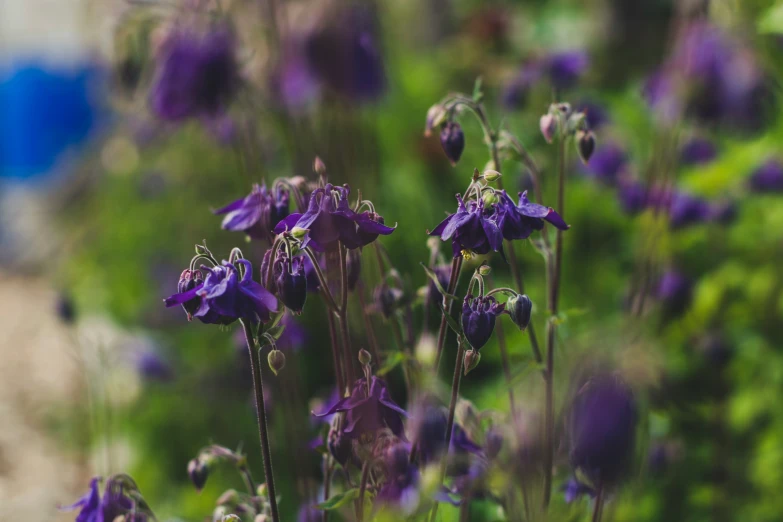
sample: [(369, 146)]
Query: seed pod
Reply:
[(276, 360), (470, 360)]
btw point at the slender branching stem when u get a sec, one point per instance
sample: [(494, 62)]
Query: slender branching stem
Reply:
[(343, 314), (363, 489), (599, 504), (263, 434), (456, 266)]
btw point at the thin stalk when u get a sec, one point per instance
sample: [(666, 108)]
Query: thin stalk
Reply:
[(343, 314), (599, 504), (327, 485), (456, 266), (397, 330), (263, 435), (369, 328), (506, 370), (363, 489), (247, 478), (455, 382), (336, 361), (551, 330)]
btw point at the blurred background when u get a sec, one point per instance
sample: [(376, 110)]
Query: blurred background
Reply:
[(671, 271)]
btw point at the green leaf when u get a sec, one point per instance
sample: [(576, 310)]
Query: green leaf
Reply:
[(451, 321), (391, 362), (478, 92), (432, 275), (339, 500), (276, 318)]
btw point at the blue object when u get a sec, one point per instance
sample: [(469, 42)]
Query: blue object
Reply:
[(45, 111)]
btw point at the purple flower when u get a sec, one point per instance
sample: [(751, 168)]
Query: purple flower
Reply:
[(565, 68), (602, 429), (520, 220), (674, 291), (329, 221), (595, 113), (471, 229), (686, 209), (224, 298), (452, 140), (291, 282), (430, 434), (478, 319), (258, 213), (607, 164), (443, 272), (196, 75), (309, 513), (294, 336), (400, 490), (698, 151), (573, 489), (366, 414), (65, 308), (632, 195), (114, 503), (516, 91), (152, 366), (723, 212), (188, 281), (767, 178)]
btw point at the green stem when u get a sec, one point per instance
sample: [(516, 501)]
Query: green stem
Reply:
[(343, 315), (456, 266), (599, 504), (263, 434)]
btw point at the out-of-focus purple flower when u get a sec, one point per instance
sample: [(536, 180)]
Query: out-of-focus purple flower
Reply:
[(602, 429), (294, 336), (345, 56), (767, 178), (471, 229), (674, 291), (429, 425), (595, 113), (223, 129), (698, 151), (223, 297), (400, 491), (565, 68), (152, 366), (657, 458), (520, 220), (197, 75), (607, 164), (434, 297), (329, 221), (114, 503), (293, 82), (258, 213), (573, 489), (386, 299), (723, 212), (478, 319), (686, 209), (309, 513), (366, 414), (632, 195), (515, 92)]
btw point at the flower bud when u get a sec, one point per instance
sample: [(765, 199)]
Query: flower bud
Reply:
[(261, 490), (548, 126), (364, 357), (228, 497), (585, 145), (452, 140), (485, 270), (478, 319), (519, 308), (492, 175), (291, 283), (490, 198), (318, 166), (299, 232), (276, 360), (470, 360), (188, 280), (198, 471), (435, 116)]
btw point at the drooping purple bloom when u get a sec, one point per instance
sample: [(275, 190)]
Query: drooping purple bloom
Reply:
[(224, 297), (607, 164), (366, 414), (291, 282), (114, 503), (602, 429), (197, 75), (188, 281), (686, 209), (478, 318), (520, 220), (400, 490), (565, 68), (632, 195), (767, 178), (329, 221), (258, 213), (452, 140), (152, 366), (471, 229), (89, 506), (698, 151)]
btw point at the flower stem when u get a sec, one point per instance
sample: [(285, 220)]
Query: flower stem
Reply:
[(247, 478), (455, 382), (263, 435), (347, 352), (327, 485), (456, 266), (362, 489), (551, 329), (338, 369), (598, 509)]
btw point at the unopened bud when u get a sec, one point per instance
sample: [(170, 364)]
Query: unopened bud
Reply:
[(485, 270), (276, 360), (318, 166), (261, 490), (492, 175), (585, 144), (471, 360), (364, 357), (228, 497), (435, 116), (490, 198), (548, 126), (452, 140), (519, 308), (198, 471), (299, 232)]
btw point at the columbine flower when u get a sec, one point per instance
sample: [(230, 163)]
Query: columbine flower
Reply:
[(430, 434), (472, 229), (452, 140), (329, 221), (258, 213), (602, 429), (607, 164), (366, 414), (197, 75), (400, 490), (114, 503), (478, 319), (686, 209), (433, 296), (519, 221), (519, 308), (632, 195), (698, 151), (291, 282), (189, 280), (767, 178), (224, 298)]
